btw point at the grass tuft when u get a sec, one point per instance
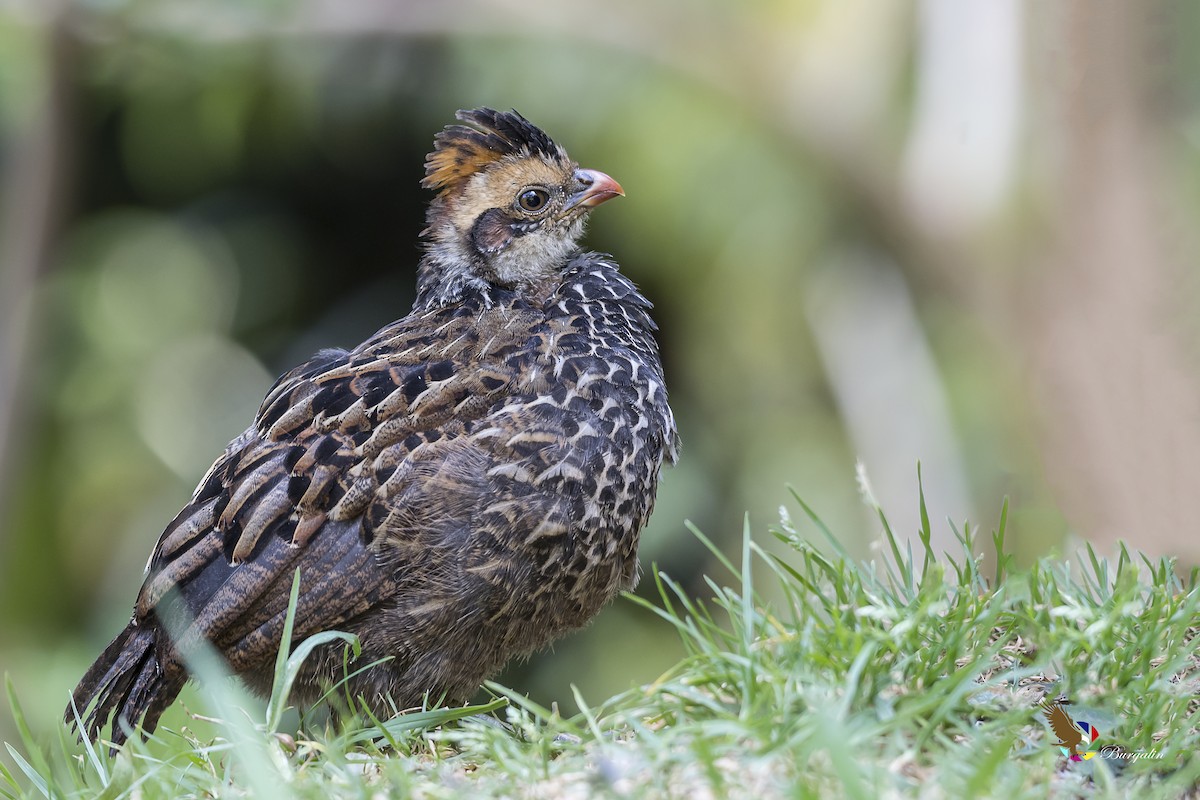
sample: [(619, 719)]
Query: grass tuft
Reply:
[(810, 676)]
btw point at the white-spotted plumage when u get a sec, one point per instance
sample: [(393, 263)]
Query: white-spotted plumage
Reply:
[(463, 487)]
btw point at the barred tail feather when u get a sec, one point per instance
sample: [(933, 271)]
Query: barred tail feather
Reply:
[(130, 682)]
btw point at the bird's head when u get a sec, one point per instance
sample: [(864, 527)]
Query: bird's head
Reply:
[(510, 208)]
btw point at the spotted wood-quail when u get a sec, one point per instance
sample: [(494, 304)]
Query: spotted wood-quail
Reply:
[(463, 487)]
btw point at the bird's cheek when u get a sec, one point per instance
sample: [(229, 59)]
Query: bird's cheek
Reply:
[(492, 232)]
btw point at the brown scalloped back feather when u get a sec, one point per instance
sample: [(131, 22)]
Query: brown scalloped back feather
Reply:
[(460, 151)]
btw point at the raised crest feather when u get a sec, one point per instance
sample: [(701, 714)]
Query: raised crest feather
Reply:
[(459, 151)]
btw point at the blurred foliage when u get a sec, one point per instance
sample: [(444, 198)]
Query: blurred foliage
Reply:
[(245, 192)]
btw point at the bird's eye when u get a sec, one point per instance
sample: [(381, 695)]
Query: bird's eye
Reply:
[(533, 200)]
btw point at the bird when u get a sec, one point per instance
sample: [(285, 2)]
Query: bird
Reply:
[(1068, 732), (463, 488)]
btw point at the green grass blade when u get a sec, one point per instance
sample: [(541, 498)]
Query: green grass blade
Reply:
[(8, 778), (406, 724), (592, 722), (291, 670), (830, 539), (40, 765), (1003, 558), (712, 548), (281, 684), (35, 777), (926, 532), (93, 755), (748, 619)]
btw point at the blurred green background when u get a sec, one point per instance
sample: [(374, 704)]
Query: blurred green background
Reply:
[(875, 233)]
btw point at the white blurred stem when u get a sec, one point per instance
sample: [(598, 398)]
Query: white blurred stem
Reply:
[(888, 390), (959, 157)]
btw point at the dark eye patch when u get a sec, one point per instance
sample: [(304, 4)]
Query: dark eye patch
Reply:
[(492, 231), (495, 229)]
